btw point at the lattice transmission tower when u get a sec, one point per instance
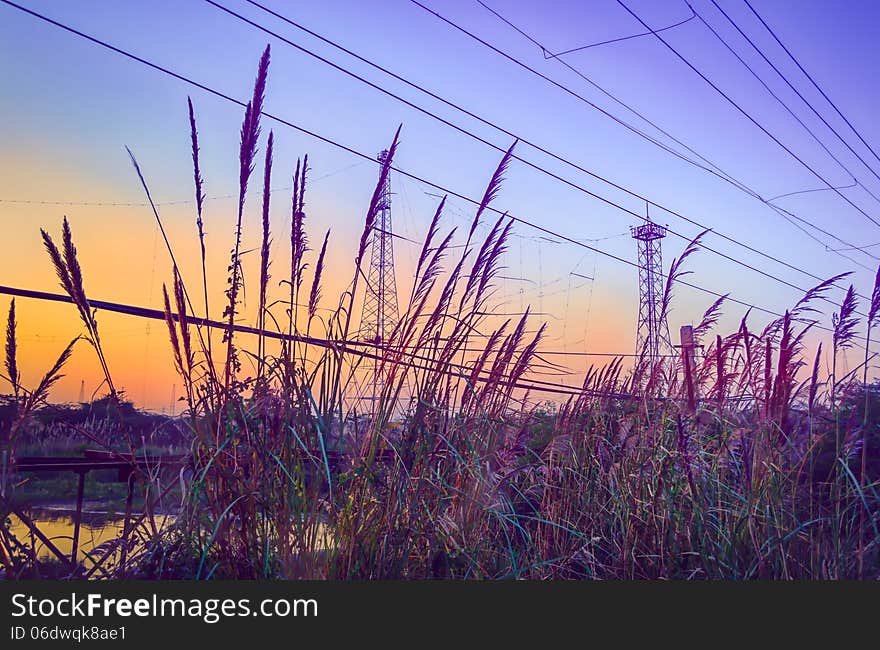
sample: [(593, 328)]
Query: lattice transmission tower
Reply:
[(380, 315), (652, 335)]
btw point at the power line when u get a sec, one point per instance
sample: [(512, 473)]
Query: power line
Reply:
[(748, 115), (142, 204), (718, 172), (616, 40), (347, 347), (501, 149), (813, 81), (855, 183), (557, 157), (723, 175), (797, 92), (364, 156), (872, 245), (782, 103), (788, 216)]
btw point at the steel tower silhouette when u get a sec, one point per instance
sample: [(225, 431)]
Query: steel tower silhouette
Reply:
[(380, 315), (652, 336)]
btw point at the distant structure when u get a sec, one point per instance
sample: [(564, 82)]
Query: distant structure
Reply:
[(652, 336), (380, 313)]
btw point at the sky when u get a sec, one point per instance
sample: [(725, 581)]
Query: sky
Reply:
[(69, 108)]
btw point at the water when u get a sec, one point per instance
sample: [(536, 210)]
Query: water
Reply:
[(57, 524), (98, 527)]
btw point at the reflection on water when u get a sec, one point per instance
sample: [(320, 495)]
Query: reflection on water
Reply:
[(95, 529), (100, 527)]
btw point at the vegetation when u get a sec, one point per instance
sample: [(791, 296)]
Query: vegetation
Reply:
[(746, 465)]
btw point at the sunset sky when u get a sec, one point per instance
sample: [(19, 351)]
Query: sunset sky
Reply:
[(69, 108)]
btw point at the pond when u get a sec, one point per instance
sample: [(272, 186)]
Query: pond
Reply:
[(57, 524)]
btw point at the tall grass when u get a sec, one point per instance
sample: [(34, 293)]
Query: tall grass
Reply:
[(734, 468)]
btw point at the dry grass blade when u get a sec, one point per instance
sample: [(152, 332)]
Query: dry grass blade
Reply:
[(302, 183), (315, 293), (375, 200), (426, 282), (492, 266), (299, 238), (265, 244), (481, 362), (266, 233), (525, 357), (50, 378), (814, 380), (183, 320), (172, 333), (11, 351), (484, 262)]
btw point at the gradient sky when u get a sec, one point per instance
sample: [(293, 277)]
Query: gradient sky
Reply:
[(68, 108)]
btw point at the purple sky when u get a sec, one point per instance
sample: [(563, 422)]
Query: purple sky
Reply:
[(68, 108)]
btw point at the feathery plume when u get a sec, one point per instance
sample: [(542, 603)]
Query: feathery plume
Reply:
[(299, 243), (183, 319), (676, 272), (315, 294), (250, 128), (302, 183), (426, 246), (70, 259), (70, 275), (250, 133), (493, 188), (11, 362), (803, 305), (710, 318), (50, 378), (197, 174), (172, 332), (814, 380), (874, 310), (845, 321), (373, 209), (58, 262), (200, 225), (266, 238)]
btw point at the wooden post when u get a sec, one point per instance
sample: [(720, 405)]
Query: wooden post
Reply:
[(77, 521), (686, 335)]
